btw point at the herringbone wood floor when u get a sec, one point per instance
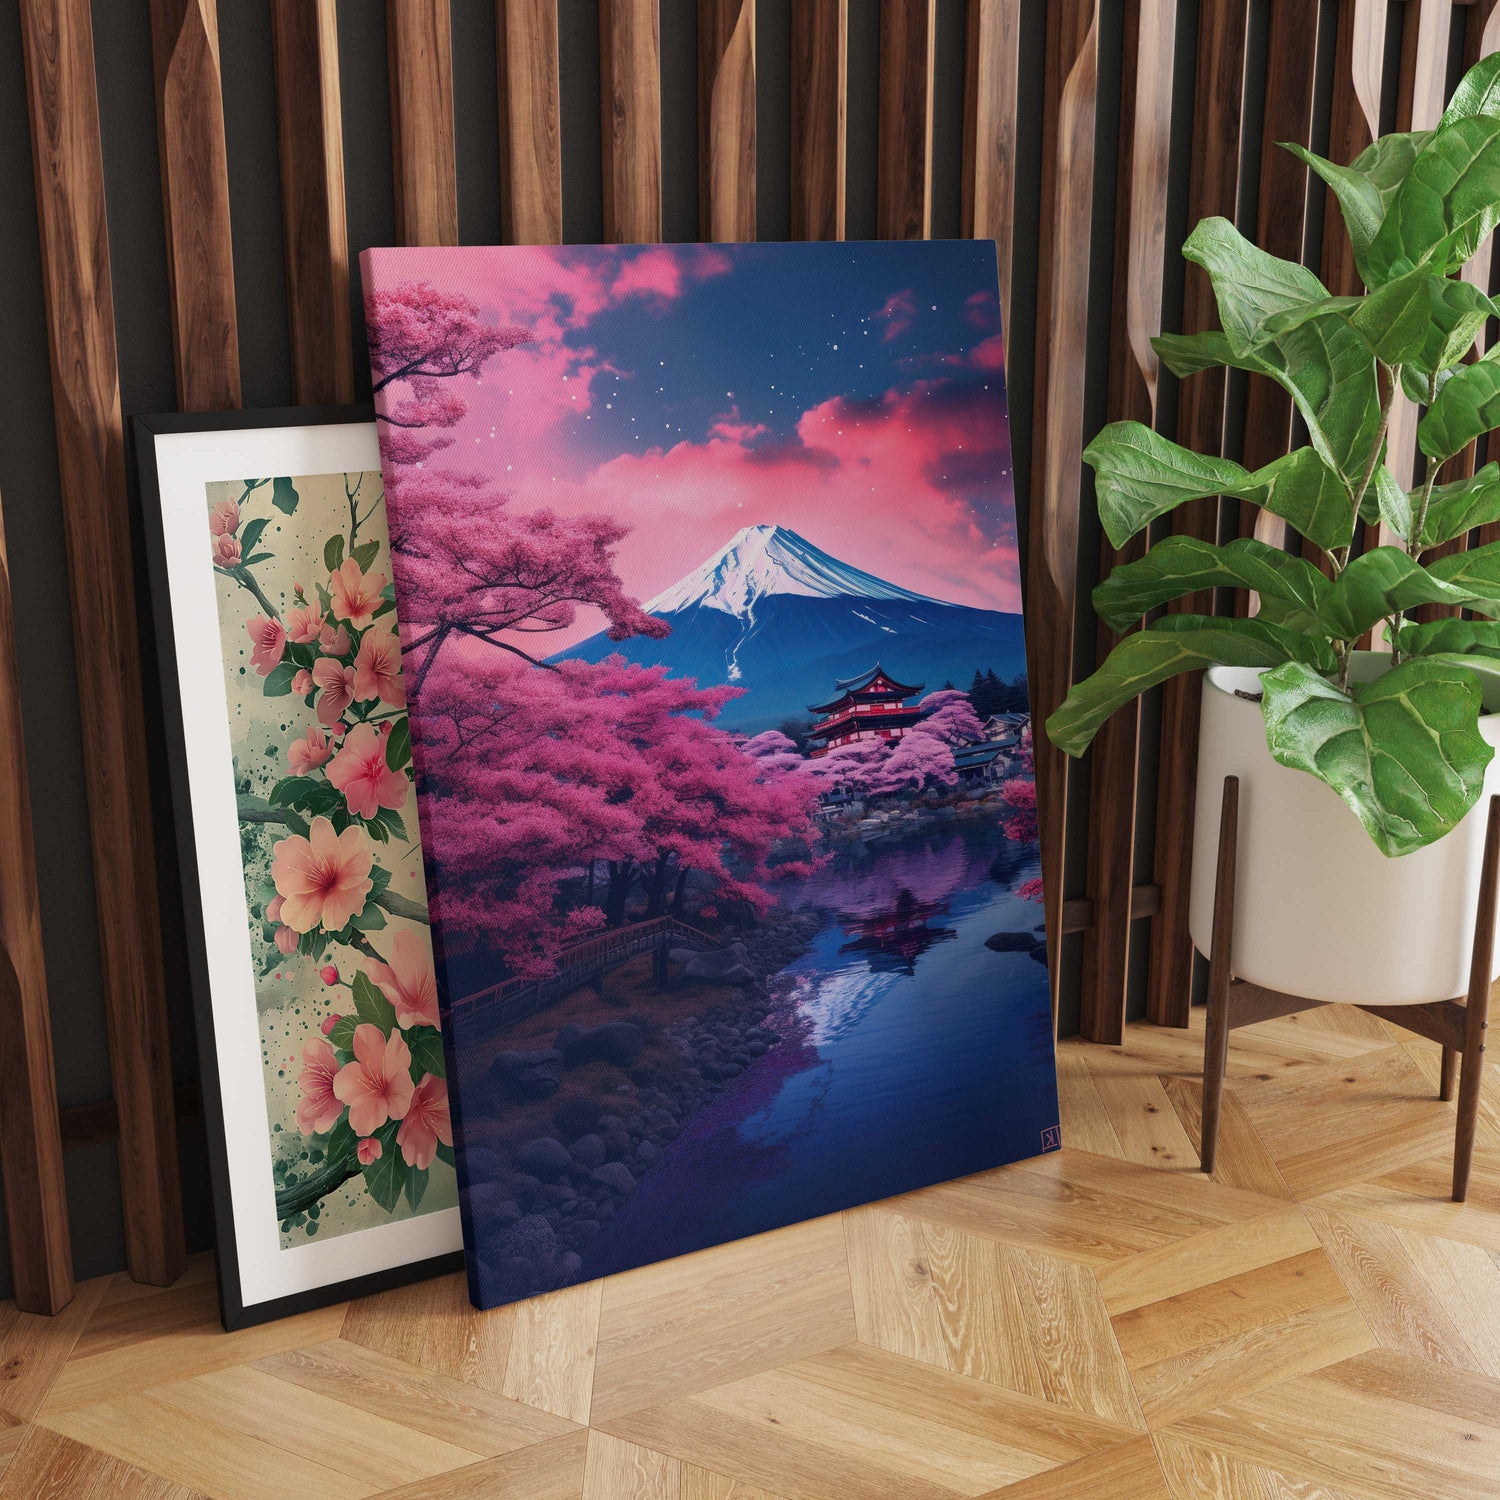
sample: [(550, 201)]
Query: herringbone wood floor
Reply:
[(1317, 1323)]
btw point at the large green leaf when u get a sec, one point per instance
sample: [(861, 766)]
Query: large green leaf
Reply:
[(1447, 204), (1187, 353), (1178, 643), (1364, 188), (1386, 503), (1403, 751), (1379, 584), (1476, 572), (1451, 638), (1457, 508), (1421, 319), (386, 1176), (371, 1005), (1322, 363), (1140, 475), (1467, 407), (1289, 587), (1478, 92)]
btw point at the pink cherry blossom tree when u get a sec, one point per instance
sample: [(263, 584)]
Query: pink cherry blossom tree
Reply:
[(950, 716)]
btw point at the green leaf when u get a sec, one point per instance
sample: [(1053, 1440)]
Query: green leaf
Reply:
[(385, 1177), (1378, 584), (1178, 643), (283, 495), (342, 1035), (1456, 509), (1467, 407), (1403, 751), (333, 554), (393, 822), (251, 533), (1447, 204), (1187, 353), (1139, 475), (416, 1184), (1289, 587), (1421, 319), (371, 919), (1322, 363), (342, 1141), (1366, 186), (1386, 502), (398, 744), (278, 681), (1478, 92), (364, 554), (445, 1153), (371, 1006), (296, 823), (1451, 638), (1476, 572), (426, 1043)]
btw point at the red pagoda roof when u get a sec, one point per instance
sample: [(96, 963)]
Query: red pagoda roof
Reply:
[(848, 687)]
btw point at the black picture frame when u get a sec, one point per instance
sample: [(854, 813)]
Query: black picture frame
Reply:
[(234, 1311)]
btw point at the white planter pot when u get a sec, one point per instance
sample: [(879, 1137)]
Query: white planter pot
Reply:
[(1320, 912)]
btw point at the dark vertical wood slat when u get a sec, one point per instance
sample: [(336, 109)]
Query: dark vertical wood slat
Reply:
[(310, 130), (820, 92), (903, 197), (630, 119), (1140, 260), (530, 122), (58, 44), (195, 202), (36, 1204), (1213, 188), (1291, 79), (992, 61), (726, 120), (1353, 122), (1070, 90), (420, 44)]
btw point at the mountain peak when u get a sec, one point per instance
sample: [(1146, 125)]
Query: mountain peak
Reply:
[(766, 559)]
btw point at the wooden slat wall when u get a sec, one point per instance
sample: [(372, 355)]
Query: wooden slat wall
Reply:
[(58, 43), (1031, 124)]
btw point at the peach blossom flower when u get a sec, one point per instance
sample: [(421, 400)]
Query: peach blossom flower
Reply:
[(337, 684), (227, 551), (356, 595), (224, 519), (427, 1122), (329, 1021), (329, 974), (359, 771), (333, 640), (308, 753), (302, 683), (286, 940), (304, 623), (408, 981), (317, 1110), (269, 641), (377, 1084), (369, 1150), (323, 878), (273, 909), (377, 668)]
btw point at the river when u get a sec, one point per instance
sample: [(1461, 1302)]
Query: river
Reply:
[(911, 1053)]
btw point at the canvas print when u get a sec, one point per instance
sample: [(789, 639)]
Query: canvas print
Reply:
[(335, 900), (711, 628)]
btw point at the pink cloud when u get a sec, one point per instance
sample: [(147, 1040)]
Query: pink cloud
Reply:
[(898, 312), (652, 273), (978, 309), (730, 425)]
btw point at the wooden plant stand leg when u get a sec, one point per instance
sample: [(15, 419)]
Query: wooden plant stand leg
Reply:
[(1449, 1073), (1216, 1042), (1477, 1008)]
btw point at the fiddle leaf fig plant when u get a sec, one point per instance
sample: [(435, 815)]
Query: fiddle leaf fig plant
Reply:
[(1403, 750)]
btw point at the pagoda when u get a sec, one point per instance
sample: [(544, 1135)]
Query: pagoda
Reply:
[(871, 706)]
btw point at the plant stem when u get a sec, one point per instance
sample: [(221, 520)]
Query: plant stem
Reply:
[(1393, 375)]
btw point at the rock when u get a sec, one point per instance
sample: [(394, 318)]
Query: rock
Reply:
[(588, 1152), (571, 1265), (647, 1154), (546, 1158), (617, 1042), (490, 1205), (755, 1048), (1039, 953), (523, 1187), (528, 1075), (576, 1116), (718, 964), (616, 1176), (530, 1239), (1010, 942)]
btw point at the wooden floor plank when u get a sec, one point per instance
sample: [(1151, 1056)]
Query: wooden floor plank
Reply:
[(1194, 1473), (50, 1466), (1242, 1160), (1130, 1472), (34, 1349), (552, 1352), (433, 1324), (683, 1325), (1418, 1195), (552, 1470)]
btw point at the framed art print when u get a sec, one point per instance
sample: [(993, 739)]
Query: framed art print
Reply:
[(306, 910), (711, 621)]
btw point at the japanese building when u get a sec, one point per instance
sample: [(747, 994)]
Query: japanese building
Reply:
[(871, 706)]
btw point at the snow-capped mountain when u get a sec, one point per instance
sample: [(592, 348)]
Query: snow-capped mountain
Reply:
[(773, 614)]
